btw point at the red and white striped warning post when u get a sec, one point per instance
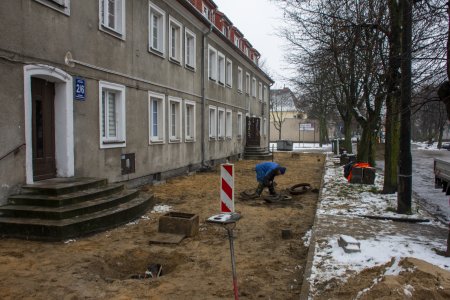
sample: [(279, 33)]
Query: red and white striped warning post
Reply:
[(226, 188)]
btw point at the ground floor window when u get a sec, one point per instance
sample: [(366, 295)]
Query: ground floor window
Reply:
[(221, 123), (175, 119), (112, 115), (212, 122), (189, 118), (156, 117), (239, 124), (229, 124)]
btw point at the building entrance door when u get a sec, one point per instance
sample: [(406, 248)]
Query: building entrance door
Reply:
[(253, 131), (43, 123)]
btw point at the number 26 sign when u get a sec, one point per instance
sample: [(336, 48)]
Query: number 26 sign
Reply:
[(79, 89)]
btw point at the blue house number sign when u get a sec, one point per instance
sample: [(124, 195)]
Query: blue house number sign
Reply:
[(79, 89)]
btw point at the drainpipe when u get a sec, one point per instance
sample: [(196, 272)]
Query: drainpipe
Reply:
[(204, 78), (268, 125)]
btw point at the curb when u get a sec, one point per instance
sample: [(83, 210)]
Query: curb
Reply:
[(304, 292)]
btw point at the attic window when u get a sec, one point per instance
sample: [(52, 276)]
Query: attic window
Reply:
[(58, 5)]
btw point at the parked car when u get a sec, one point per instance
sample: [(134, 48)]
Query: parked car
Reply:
[(446, 146)]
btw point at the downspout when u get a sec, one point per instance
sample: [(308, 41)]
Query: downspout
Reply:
[(270, 116), (204, 78)]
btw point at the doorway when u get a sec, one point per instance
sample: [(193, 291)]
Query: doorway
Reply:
[(253, 131), (43, 127)]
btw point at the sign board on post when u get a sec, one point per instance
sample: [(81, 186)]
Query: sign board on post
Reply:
[(226, 188), (79, 87)]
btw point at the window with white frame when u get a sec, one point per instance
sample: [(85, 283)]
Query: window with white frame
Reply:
[(189, 121), (239, 124), (229, 124), (112, 115), (174, 119), (206, 11), (175, 40), (221, 68), (212, 63), (157, 22), (240, 78), (266, 94), (247, 83), (225, 31), (254, 87), (59, 5), (236, 41), (221, 123), (112, 16), (229, 73), (212, 122), (156, 117), (189, 49), (260, 91)]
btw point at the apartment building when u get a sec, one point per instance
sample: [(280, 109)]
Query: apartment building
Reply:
[(128, 90)]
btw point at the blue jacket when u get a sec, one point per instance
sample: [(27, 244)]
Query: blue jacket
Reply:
[(265, 171)]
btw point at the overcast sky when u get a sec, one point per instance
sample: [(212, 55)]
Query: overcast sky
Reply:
[(258, 20)]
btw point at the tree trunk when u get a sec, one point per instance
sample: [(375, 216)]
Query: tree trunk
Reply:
[(405, 159), (347, 145), (392, 128)]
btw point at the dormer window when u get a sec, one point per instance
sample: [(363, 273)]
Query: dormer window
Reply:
[(236, 41), (206, 11), (225, 30)]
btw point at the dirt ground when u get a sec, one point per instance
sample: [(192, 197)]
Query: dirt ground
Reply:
[(100, 266)]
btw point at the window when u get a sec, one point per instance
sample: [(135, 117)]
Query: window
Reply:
[(247, 83), (157, 21), (254, 87), (229, 73), (229, 124), (212, 63), (190, 50), (221, 123), (156, 117), (174, 119), (189, 120), (260, 92), (239, 124), (59, 5), (206, 11), (112, 16), (240, 79), (246, 52), (175, 41), (212, 122), (225, 30), (266, 94), (221, 68), (236, 41), (112, 115)]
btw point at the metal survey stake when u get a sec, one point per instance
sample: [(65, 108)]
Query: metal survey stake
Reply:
[(228, 221)]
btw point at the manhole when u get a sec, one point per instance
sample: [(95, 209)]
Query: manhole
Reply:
[(135, 264)]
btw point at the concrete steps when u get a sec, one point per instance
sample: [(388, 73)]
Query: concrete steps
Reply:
[(55, 210), (257, 153)]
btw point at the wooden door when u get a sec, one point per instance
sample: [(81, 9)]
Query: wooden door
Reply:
[(253, 131), (43, 122)]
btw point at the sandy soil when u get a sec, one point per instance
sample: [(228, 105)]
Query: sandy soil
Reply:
[(99, 267)]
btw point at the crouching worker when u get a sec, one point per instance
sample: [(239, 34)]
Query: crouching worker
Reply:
[(265, 175)]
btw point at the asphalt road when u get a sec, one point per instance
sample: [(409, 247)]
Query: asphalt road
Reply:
[(432, 199)]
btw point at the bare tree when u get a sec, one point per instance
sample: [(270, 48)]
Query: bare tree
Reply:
[(281, 103)]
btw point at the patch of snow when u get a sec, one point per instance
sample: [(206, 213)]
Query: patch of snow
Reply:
[(161, 208), (69, 241), (395, 269), (135, 222), (407, 290), (307, 238)]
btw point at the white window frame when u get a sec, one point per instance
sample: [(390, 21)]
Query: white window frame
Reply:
[(221, 68), (239, 124), (177, 138), (178, 57), (229, 73), (239, 80), (119, 30), (212, 122), (229, 123), (236, 41), (189, 137), (205, 11), (247, 83), (120, 116), (266, 94), (160, 137), (193, 64), (64, 7), (264, 126), (254, 87), (220, 123), (212, 63), (155, 10), (260, 91)]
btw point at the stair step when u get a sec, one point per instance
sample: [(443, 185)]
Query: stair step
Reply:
[(65, 199), (57, 230), (59, 186), (67, 211)]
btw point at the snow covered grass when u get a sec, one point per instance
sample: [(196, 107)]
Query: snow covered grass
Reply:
[(343, 202)]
